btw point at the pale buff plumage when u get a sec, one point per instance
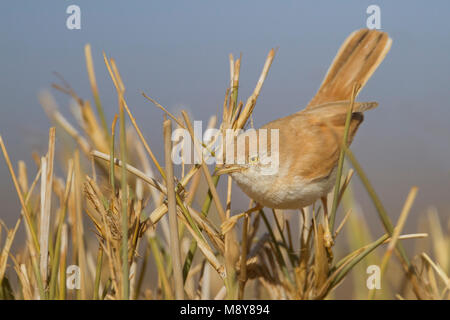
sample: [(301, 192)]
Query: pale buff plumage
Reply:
[(309, 140)]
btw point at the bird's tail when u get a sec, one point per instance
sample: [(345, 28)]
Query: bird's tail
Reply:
[(355, 62)]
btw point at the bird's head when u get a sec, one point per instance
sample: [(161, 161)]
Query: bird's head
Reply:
[(260, 164)]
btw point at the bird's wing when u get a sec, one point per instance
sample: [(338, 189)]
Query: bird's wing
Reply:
[(311, 140)]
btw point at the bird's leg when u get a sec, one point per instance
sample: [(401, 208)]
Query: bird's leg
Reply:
[(328, 238)]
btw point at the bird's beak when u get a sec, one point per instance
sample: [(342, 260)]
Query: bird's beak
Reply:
[(228, 169)]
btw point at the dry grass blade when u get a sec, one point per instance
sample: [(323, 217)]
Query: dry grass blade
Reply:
[(321, 266), (151, 181), (205, 249), (6, 249), (251, 102), (118, 84), (229, 224), (51, 109), (59, 233), (172, 207), (160, 266), (445, 279), (395, 235), (206, 173), (341, 225), (355, 90), (104, 191), (46, 199), (93, 82), (164, 109), (243, 271), (384, 217), (30, 226), (441, 242)]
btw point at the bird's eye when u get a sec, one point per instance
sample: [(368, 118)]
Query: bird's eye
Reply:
[(254, 159)]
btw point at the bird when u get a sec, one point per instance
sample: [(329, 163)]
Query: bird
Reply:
[(310, 140)]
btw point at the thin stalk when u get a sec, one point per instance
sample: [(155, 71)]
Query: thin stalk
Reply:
[(30, 224), (119, 87), (243, 271), (406, 263), (160, 266), (396, 234), (348, 265), (112, 176), (46, 200), (62, 218), (37, 274), (124, 194), (283, 238), (62, 265), (31, 231), (98, 272), (342, 157), (193, 247), (377, 202), (206, 173), (142, 273), (172, 207), (93, 82), (277, 248)]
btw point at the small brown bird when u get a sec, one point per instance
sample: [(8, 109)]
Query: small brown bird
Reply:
[(310, 140)]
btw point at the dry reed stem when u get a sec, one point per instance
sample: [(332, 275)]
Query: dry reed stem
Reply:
[(205, 248), (244, 252), (341, 225), (331, 221), (6, 249), (156, 103), (62, 267), (50, 107), (22, 274), (441, 244), (229, 224), (78, 228), (268, 267), (151, 181), (345, 184), (94, 88), (438, 270), (160, 266), (30, 228), (406, 263), (107, 248), (133, 121), (59, 231), (46, 198), (156, 195), (23, 177), (209, 228), (204, 167), (251, 102), (396, 233), (172, 208)]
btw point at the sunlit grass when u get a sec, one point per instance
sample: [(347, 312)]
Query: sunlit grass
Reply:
[(107, 215)]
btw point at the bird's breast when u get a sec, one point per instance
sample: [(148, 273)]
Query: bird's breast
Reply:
[(279, 192)]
